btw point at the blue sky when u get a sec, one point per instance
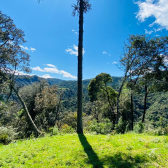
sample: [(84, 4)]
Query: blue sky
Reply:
[(51, 33)]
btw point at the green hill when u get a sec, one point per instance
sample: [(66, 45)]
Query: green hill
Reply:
[(101, 151)]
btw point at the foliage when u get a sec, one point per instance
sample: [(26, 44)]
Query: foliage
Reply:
[(121, 126), (66, 129), (12, 58), (76, 7), (7, 134), (103, 127), (54, 130), (139, 128), (70, 119)]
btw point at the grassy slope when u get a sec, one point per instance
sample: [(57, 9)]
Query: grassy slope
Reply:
[(71, 150)]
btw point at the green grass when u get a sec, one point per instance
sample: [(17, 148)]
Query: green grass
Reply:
[(72, 150)]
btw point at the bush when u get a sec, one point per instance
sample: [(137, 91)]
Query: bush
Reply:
[(54, 130), (139, 128), (121, 126), (7, 134), (101, 128), (165, 130), (67, 129)]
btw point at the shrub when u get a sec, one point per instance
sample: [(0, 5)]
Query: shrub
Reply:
[(7, 134), (139, 128), (103, 127), (165, 130), (121, 126), (54, 130), (67, 129)]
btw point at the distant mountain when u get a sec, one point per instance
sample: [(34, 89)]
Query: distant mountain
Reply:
[(23, 80), (69, 88)]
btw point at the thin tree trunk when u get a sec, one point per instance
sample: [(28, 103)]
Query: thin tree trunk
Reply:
[(80, 58), (111, 107), (132, 112), (24, 106), (118, 100), (29, 116), (145, 99)]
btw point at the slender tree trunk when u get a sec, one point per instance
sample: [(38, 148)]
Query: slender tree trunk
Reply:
[(145, 99), (29, 116), (111, 107), (80, 58), (24, 106), (132, 112), (118, 99)]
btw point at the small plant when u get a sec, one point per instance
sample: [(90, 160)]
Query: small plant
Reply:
[(129, 147), (165, 130), (67, 129), (156, 140), (103, 127), (152, 155), (139, 128), (54, 130), (7, 134), (121, 127)]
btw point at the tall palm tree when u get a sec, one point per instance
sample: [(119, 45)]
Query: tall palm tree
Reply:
[(80, 59)]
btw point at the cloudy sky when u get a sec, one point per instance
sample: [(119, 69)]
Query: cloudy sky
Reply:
[(51, 33)]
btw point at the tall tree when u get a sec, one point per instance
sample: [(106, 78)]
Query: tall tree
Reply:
[(82, 6), (12, 58), (99, 85), (141, 55)]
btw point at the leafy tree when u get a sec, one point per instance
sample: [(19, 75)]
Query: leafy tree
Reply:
[(98, 87), (12, 58), (47, 107), (141, 55)]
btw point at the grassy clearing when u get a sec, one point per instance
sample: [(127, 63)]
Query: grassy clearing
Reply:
[(72, 150)]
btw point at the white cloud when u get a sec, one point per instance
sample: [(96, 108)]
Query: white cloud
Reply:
[(37, 69), (74, 51), (148, 32), (51, 65), (26, 48), (104, 52), (32, 49), (74, 31), (46, 76), (114, 62), (157, 9), (67, 75), (52, 69)]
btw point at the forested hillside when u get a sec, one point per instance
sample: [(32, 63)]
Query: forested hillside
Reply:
[(157, 103)]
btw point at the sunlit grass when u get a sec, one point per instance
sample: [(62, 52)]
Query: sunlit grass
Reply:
[(71, 150)]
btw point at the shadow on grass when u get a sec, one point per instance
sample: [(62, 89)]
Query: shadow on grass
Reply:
[(124, 160), (116, 160), (92, 156)]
